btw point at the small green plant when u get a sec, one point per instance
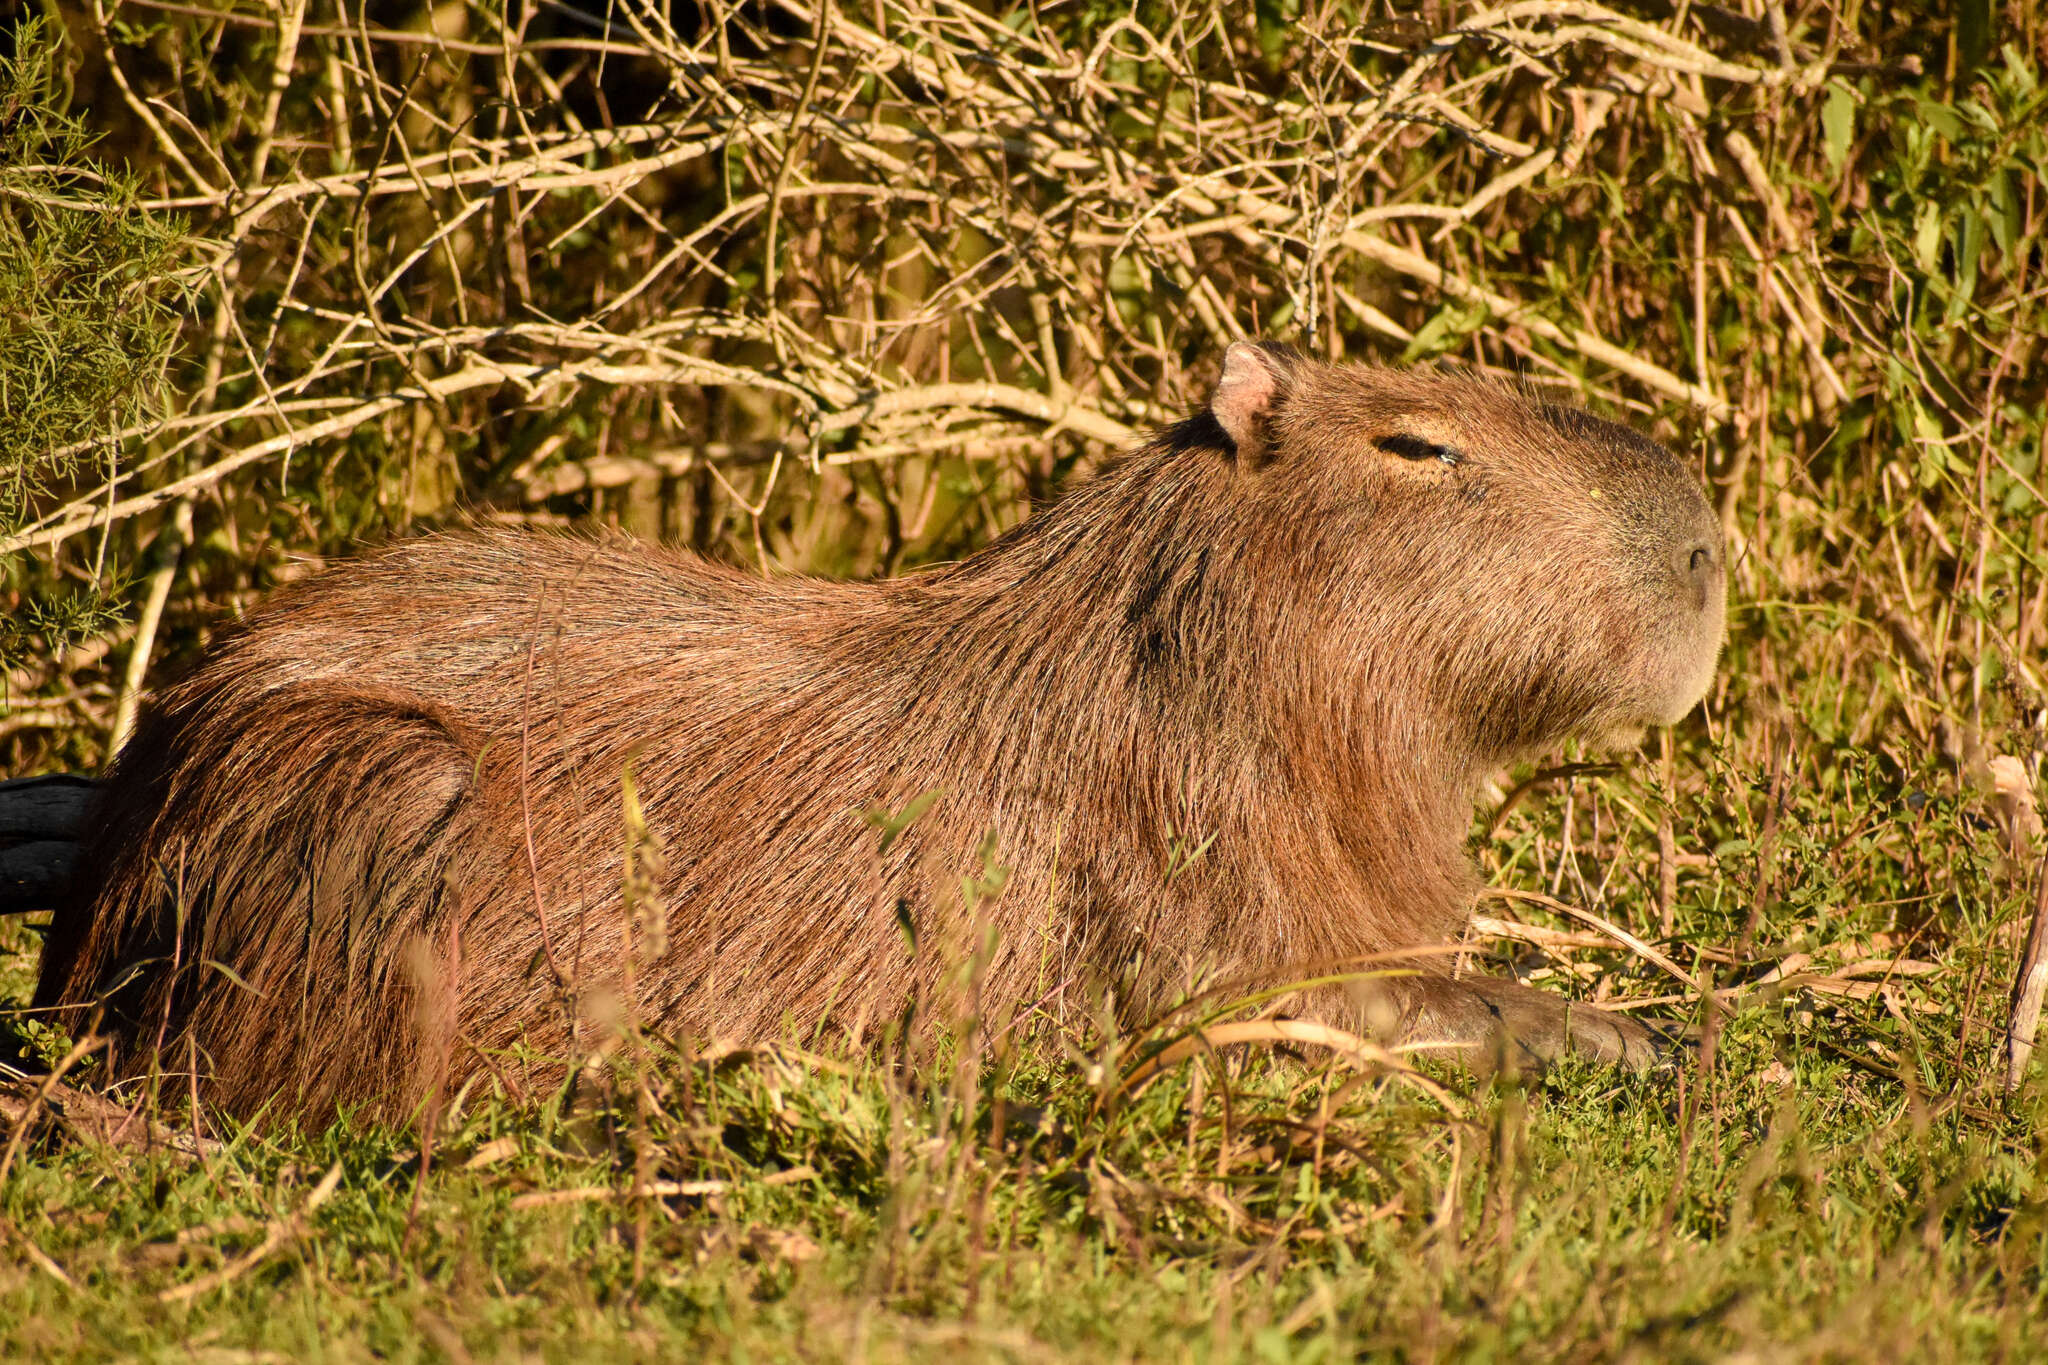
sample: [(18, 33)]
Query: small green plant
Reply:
[(91, 305)]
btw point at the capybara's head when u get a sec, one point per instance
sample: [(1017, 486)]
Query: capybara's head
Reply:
[(1517, 571)]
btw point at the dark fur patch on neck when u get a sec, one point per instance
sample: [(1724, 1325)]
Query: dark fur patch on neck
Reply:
[(1158, 614), (1201, 431)]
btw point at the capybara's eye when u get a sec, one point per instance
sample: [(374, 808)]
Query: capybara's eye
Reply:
[(1415, 448)]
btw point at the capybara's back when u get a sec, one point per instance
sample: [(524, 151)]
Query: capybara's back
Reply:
[(380, 839)]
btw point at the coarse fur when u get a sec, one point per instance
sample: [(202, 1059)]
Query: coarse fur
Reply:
[(1222, 709)]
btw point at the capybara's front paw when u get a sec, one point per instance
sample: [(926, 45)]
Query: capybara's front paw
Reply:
[(1495, 1024)]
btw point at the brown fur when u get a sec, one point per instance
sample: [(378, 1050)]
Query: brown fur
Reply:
[(1307, 647)]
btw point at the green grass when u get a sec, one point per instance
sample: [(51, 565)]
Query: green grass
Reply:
[(1830, 1213), (1832, 1178)]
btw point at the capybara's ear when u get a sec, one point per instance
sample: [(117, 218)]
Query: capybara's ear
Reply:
[(1255, 381)]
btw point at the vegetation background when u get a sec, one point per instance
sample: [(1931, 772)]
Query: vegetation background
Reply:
[(843, 289)]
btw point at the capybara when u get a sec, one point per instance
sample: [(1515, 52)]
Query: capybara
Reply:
[(1222, 710)]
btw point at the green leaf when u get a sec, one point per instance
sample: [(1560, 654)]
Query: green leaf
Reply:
[(231, 975), (1969, 245), (2003, 217), (1452, 324), (1838, 125), (892, 826), (1927, 237), (1932, 460), (906, 925), (1943, 120)]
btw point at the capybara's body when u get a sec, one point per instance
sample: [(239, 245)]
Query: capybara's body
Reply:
[(1223, 709)]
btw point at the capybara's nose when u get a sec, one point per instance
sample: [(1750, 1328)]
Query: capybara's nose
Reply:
[(1699, 568)]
